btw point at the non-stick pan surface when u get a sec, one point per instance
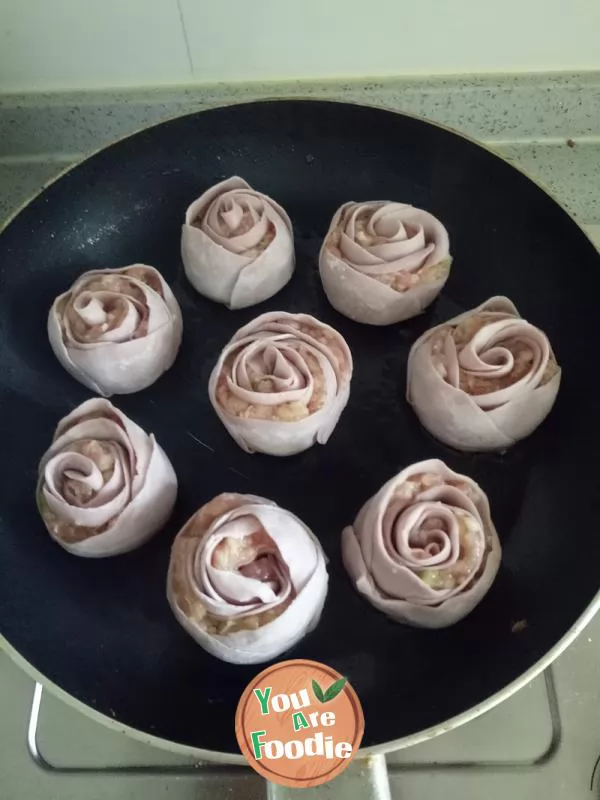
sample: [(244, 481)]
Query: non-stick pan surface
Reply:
[(102, 629)]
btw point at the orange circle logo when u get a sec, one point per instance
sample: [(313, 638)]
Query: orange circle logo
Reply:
[(299, 723)]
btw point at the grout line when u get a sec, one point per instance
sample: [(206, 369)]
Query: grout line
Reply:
[(185, 38)]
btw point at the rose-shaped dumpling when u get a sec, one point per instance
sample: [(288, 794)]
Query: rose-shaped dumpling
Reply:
[(424, 549), (116, 330), (483, 380), (247, 579), (105, 486), (383, 262), (237, 245), (281, 383)]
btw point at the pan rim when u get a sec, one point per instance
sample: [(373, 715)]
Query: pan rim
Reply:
[(217, 756), (433, 731), (300, 99)]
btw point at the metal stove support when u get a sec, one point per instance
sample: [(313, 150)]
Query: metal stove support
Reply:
[(378, 768), (227, 771), (512, 764)]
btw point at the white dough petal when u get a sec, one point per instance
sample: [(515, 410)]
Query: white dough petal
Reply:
[(508, 363), (311, 357), (237, 245), (105, 486), (383, 262), (433, 595), (251, 629), (116, 330)]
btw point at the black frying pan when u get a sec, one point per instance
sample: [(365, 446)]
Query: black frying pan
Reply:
[(102, 630)]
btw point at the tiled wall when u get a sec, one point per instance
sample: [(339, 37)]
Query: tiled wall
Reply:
[(54, 44)]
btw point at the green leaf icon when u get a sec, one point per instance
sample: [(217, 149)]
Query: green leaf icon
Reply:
[(334, 690), (318, 692), (330, 693)]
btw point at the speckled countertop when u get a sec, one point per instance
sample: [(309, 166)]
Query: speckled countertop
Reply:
[(549, 123)]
